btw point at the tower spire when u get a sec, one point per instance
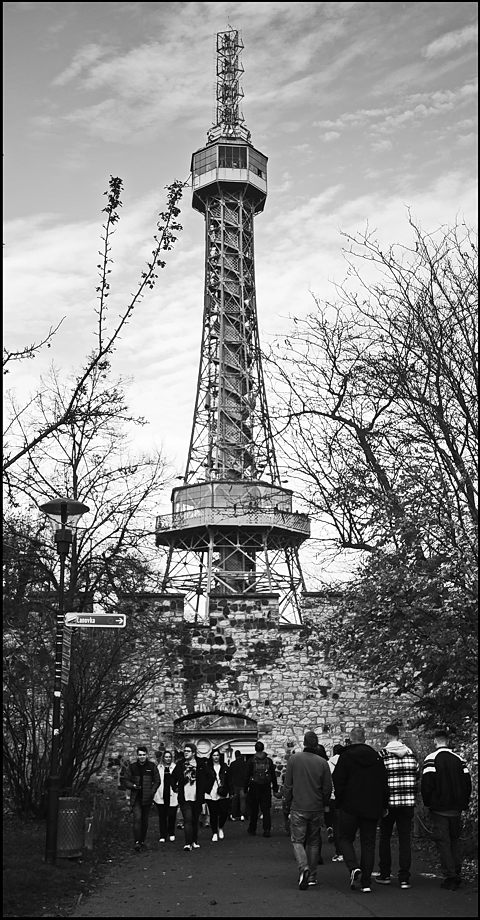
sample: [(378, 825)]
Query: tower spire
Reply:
[(232, 530), (230, 121)]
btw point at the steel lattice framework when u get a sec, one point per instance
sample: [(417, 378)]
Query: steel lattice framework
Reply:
[(232, 528)]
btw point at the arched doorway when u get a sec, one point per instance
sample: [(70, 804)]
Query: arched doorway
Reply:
[(224, 731)]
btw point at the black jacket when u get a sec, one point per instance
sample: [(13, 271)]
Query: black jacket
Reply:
[(237, 772), (249, 783), (204, 780), (446, 782), (145, 786), (360, 781)]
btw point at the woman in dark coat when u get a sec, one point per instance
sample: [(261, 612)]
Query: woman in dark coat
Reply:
[(218, 805)]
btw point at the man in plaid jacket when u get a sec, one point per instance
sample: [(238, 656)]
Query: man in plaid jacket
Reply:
[(403, 774)]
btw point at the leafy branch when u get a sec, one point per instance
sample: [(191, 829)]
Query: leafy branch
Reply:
[(167, 228)]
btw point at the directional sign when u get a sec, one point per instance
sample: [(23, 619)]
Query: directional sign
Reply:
[(97, 620)]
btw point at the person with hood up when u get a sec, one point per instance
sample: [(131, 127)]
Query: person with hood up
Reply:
[(306, 789), (403, 773), (260, 777), (361, 794)]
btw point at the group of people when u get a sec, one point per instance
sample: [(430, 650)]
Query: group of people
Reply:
[(357, 789), (243, 788), (360, 788)]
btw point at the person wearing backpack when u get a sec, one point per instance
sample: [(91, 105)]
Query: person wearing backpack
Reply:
[(260, 778)]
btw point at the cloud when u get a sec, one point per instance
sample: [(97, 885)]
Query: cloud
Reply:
[(82, 60), (330, 136), (381, 146), (413, 108), (451, 41)]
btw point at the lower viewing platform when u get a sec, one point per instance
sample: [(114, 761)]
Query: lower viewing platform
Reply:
[(294, 521)]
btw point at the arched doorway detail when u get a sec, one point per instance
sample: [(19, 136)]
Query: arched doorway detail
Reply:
[(216, 730)]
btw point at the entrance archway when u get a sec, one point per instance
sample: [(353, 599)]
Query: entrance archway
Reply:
[(216, 730)]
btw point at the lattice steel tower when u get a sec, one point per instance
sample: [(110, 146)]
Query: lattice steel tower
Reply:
[(232, 530)]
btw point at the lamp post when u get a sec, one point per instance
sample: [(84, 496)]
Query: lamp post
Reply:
[(63, 511)]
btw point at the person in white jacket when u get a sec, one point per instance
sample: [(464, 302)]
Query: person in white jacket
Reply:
[(166, 800)]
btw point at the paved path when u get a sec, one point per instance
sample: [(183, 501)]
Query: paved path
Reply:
[(244, 876)]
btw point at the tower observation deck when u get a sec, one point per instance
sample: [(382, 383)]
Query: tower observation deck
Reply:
[(232, 529)]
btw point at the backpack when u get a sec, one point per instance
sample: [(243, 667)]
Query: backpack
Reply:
[(261, 771)]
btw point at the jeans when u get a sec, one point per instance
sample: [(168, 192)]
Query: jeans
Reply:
[(141, 813), (238, 802), (166, 819), (446, 832), (218, 813), (305, 833), (335, 825), (191, 814), (402, 816), (260, 797), (349, 824)]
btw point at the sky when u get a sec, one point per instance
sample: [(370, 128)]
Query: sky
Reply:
[(363, 109)]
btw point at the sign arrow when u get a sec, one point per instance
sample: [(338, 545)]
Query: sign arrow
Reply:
[(96, 620)]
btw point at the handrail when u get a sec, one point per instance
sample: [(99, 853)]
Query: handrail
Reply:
[(290, 520)]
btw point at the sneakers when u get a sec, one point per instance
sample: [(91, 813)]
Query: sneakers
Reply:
[(312, 882), (221, 834), (337, 858), (457, 881), (365, 888), (355, 876), (214, 838), (196, 846), (171, 839), (266, 833), (404, 884), (187, 846), (383, 880), (242, 818), (161, 840), (138, 846), (231, 818), (330, 834), (303, 880)]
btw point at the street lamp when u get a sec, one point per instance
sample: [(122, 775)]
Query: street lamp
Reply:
[(63, 511)]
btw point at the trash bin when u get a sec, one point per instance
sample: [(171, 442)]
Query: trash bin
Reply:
[(70, 828)]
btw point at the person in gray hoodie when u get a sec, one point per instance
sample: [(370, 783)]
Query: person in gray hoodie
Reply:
[(306, 790), (403, 774)]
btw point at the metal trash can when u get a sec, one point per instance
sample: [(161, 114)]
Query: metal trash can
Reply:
[(70, 828)]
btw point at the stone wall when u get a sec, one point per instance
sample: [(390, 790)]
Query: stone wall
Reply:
[(245, 663)]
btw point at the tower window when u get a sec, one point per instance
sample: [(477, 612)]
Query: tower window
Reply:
[(233, 157), (204, 161), (257, 163)]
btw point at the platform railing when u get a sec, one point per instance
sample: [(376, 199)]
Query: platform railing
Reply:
[(198, 517)]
